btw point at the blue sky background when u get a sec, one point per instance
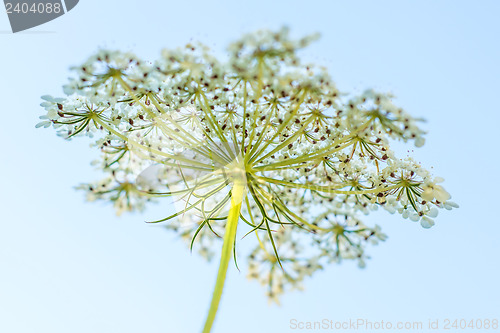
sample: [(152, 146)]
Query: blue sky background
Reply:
[(71, 266)]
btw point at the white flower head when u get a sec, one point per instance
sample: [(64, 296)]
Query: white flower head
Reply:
[(259, 141)]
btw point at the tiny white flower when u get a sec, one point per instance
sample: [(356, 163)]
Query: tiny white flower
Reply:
[(432, 191)]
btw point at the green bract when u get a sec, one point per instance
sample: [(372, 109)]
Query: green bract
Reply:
[(260, 143)]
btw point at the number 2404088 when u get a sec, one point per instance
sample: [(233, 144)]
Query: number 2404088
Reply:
[(41, 7), (477, 324)]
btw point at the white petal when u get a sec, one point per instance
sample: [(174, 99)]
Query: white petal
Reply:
[(438, 180), (68, 90), (428, 194), (414, 217), (440, 193), (45, 124), (426, 222), (48, 98), (419, 142), (433, 212), (450, 204)]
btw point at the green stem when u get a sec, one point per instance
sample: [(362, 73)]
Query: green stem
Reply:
[(328, 189), (237, 195)]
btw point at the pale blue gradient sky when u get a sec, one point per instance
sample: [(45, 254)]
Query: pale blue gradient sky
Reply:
[(71, 266)]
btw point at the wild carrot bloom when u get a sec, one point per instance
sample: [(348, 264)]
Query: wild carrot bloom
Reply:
[(261, 143)]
